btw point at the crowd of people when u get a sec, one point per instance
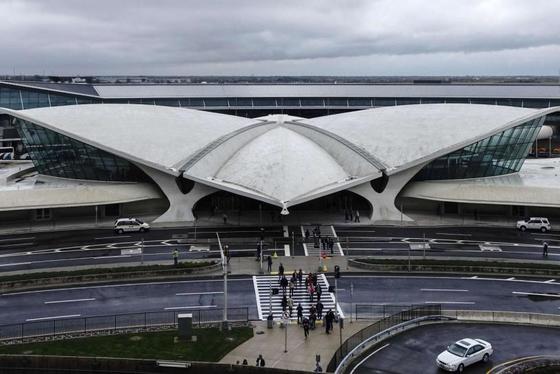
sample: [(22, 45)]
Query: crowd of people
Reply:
[(316, 311), (325, 243)]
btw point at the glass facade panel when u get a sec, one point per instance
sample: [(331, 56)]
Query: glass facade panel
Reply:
[(61, 156), (509, 102), (34, 99), (384, 102), (407, 101), (9, 98), (457, 100), (535, 103), (312, 101), (499, 154), (216, 102), (264, 101), (431, 100), (335, 101), (359, 102), (289, 101), (57, 100), (483, 101)]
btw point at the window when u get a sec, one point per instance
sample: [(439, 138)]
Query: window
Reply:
[(42, 214), (312, 101), (499, 154), (263, 101), (61, 156), (359, 102)]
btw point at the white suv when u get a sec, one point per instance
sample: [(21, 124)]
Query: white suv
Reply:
[(534, 223), (129, 225)]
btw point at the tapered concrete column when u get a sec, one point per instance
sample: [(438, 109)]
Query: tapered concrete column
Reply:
[(383, 203), (180, 205)]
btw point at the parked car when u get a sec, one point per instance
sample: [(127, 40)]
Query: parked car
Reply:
[(534, 223), (130, 225), (463, 353)]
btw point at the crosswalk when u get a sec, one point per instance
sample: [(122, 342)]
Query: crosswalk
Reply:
[(326, 231), (268, 303)]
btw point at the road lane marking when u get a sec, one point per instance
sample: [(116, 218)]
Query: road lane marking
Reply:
[(53, 317), (112, 237), (442, 290), (198, 293), (123, 285), (69, 301), (189, 307), (511, 279), (102, 257), (450, 302), (550, 281), (17, 239), (452, 234), (16, 264), (535, 294), (367, 357)]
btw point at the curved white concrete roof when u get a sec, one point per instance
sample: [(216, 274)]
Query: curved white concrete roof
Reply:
[(280, 159), (407, 135)]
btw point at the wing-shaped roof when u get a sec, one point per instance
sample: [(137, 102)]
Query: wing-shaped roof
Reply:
[(279, 159), (403, 136)]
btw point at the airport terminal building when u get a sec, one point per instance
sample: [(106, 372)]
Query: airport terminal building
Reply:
[(178, 164)]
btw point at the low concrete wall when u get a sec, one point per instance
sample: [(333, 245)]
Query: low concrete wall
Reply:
[(72, 280), (18, 364), (504, 317)]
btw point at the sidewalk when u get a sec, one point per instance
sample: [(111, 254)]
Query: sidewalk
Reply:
[(301, 352)]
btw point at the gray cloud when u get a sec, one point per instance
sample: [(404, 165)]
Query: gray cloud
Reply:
[(280, 37)]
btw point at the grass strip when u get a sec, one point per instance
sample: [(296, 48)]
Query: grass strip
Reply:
[(211, 345), (112, 270), (462, 263)]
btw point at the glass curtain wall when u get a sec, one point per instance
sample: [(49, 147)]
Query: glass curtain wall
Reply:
[(503, 153), (58, 155)]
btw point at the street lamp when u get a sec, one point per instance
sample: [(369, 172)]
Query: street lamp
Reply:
[(225, 269)]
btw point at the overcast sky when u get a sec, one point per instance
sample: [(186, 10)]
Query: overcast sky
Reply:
[(280, 37)]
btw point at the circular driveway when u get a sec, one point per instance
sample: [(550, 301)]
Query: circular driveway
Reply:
[(415, 351)]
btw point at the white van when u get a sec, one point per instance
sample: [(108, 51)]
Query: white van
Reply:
[(534, 223), (130, 225)]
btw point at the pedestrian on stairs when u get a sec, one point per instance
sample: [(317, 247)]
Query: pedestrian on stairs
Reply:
[(319, 292), (280, 271), (300, 277), (299, 310), (290, 306)]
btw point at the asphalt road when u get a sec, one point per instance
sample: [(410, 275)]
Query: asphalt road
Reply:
[(92, 247), (415, 351), (451, 292)]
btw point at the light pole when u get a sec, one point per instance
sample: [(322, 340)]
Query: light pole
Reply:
[(351, 299), (142, 252), (286, 320), (224, 267)]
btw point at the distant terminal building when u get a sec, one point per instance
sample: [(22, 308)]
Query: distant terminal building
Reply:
[(173, 164)]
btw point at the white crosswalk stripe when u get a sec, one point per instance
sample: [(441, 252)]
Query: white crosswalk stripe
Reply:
[(267, 303), (326, 231)]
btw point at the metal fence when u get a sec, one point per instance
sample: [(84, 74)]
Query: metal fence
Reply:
[(405, 314), (376, 311), (117, 322)]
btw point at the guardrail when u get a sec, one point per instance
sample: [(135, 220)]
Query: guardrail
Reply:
[(379, 311), (114, 322), (366, 334), (539, 319)]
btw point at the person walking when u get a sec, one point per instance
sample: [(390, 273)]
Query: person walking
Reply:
[(307, 234), (328, 321), (280, 271), (300, 277), (305, 324), (357, 216), (319, 292), (227, 253), (311, 291), (284, 284), (545, 249), (260, 361), (269, 263), (319, 308), (284, 303), (318, 368), (292, 286), (290, 306), (299, 310), (175, 257), (224, 218)]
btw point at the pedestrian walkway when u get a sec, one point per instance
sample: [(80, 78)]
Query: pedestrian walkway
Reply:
[(312, 249), (301, 352), (268, 303)]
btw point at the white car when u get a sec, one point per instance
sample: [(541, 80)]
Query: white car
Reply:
[(130, 225), (534, 223), (463, 353)]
